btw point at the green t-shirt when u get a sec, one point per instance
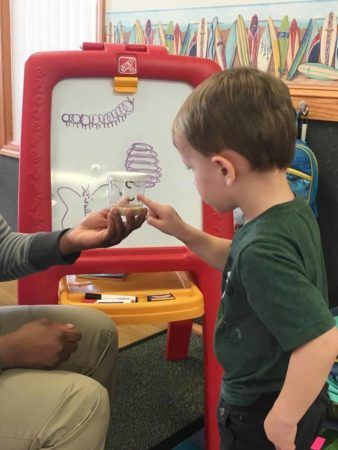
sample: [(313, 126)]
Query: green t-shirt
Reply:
[(274, 299)]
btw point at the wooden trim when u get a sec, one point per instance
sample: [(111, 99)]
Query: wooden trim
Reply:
[(321, 100), (10, 150), (100, 20), (6, 122)]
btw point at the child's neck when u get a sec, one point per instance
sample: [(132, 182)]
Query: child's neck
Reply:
[(261, 191)]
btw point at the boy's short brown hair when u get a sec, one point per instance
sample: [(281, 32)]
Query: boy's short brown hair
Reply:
[(242, 109)]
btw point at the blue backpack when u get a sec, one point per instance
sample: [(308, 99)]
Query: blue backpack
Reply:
[(332, 412), (302, 174)]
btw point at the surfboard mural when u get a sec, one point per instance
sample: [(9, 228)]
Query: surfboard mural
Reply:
[(264, 51), (275, 46), (253, 37), (230, 46), (301, 51), (283, 42), (328, 40), (242, 42), (296, 42), (202, 38)]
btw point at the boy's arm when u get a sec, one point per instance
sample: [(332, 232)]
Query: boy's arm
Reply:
[(213, 250), (314, 359)]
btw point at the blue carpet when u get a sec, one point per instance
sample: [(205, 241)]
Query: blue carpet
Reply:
[(195, 442), (187, 446)]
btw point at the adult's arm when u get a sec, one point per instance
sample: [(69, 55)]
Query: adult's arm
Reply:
[(23, 254)]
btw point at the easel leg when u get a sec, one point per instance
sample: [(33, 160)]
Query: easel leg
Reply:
[(178, 339)]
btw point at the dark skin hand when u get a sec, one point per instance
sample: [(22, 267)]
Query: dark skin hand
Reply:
[(40, 344), (104, 228)]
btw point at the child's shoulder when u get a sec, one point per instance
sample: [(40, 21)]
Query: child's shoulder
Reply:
[(282, 228), (283, 216)]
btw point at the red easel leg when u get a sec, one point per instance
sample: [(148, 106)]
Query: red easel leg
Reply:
[(178, 339)]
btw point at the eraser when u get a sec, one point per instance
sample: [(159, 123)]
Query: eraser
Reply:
[(318, 443), (160, 297)]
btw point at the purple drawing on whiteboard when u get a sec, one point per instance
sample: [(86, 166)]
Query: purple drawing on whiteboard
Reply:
[(98, 120), (143, 158), (85, 207)]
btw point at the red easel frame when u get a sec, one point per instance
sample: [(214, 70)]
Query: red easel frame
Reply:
[(42, 72)]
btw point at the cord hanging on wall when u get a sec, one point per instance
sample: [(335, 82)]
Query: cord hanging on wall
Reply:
[(303, 119)]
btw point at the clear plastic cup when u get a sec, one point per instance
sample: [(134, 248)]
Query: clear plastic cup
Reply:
[(124, 187)]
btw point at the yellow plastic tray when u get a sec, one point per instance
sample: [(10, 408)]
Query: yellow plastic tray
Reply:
[(188, 302)]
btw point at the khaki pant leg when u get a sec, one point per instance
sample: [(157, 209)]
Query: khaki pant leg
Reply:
[(55, 410), (97, 351)]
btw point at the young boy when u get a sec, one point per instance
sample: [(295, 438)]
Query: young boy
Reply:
[(274, 337)]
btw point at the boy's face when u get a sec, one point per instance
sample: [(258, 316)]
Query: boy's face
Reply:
[(209, 177)]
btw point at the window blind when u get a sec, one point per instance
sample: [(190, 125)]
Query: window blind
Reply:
[(42, 25)]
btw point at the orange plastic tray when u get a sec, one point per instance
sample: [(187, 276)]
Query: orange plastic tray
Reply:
[(188, 302)]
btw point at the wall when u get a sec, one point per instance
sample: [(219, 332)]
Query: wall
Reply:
[(323, 139), (40, 25), (9, 189), (133, 5)]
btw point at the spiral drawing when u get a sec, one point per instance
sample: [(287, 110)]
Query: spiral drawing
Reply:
[(142, 157)]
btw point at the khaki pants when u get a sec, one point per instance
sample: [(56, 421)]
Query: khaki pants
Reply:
[(67, 408)]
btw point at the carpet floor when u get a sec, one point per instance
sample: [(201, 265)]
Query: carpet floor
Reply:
[(158, 403)]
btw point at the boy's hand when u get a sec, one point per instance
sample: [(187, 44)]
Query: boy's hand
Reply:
[(281, 433), (40, 344), (104, 228), (164, 218)]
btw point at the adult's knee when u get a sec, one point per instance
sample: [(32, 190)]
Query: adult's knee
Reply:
[(96, 319), (85, 411), (104, 326), (97, 328)]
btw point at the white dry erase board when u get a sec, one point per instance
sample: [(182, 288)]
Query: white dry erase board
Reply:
[(95, 130)]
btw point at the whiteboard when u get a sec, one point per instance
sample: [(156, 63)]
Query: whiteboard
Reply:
[(95, 130)]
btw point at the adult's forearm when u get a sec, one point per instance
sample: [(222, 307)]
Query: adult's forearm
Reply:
[(45, 250), (23, 254), (13, 253), (6, 351), (315, 360)]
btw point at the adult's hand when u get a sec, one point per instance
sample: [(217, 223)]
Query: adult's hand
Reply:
[(40, 344), (104, 228)]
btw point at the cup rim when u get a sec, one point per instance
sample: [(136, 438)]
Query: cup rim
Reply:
[(120, 175)]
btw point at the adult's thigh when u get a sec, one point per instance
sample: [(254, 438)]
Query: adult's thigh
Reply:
[(52, 409), (97, 350)]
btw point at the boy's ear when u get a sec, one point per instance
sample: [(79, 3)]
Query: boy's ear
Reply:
[(226, 167)]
